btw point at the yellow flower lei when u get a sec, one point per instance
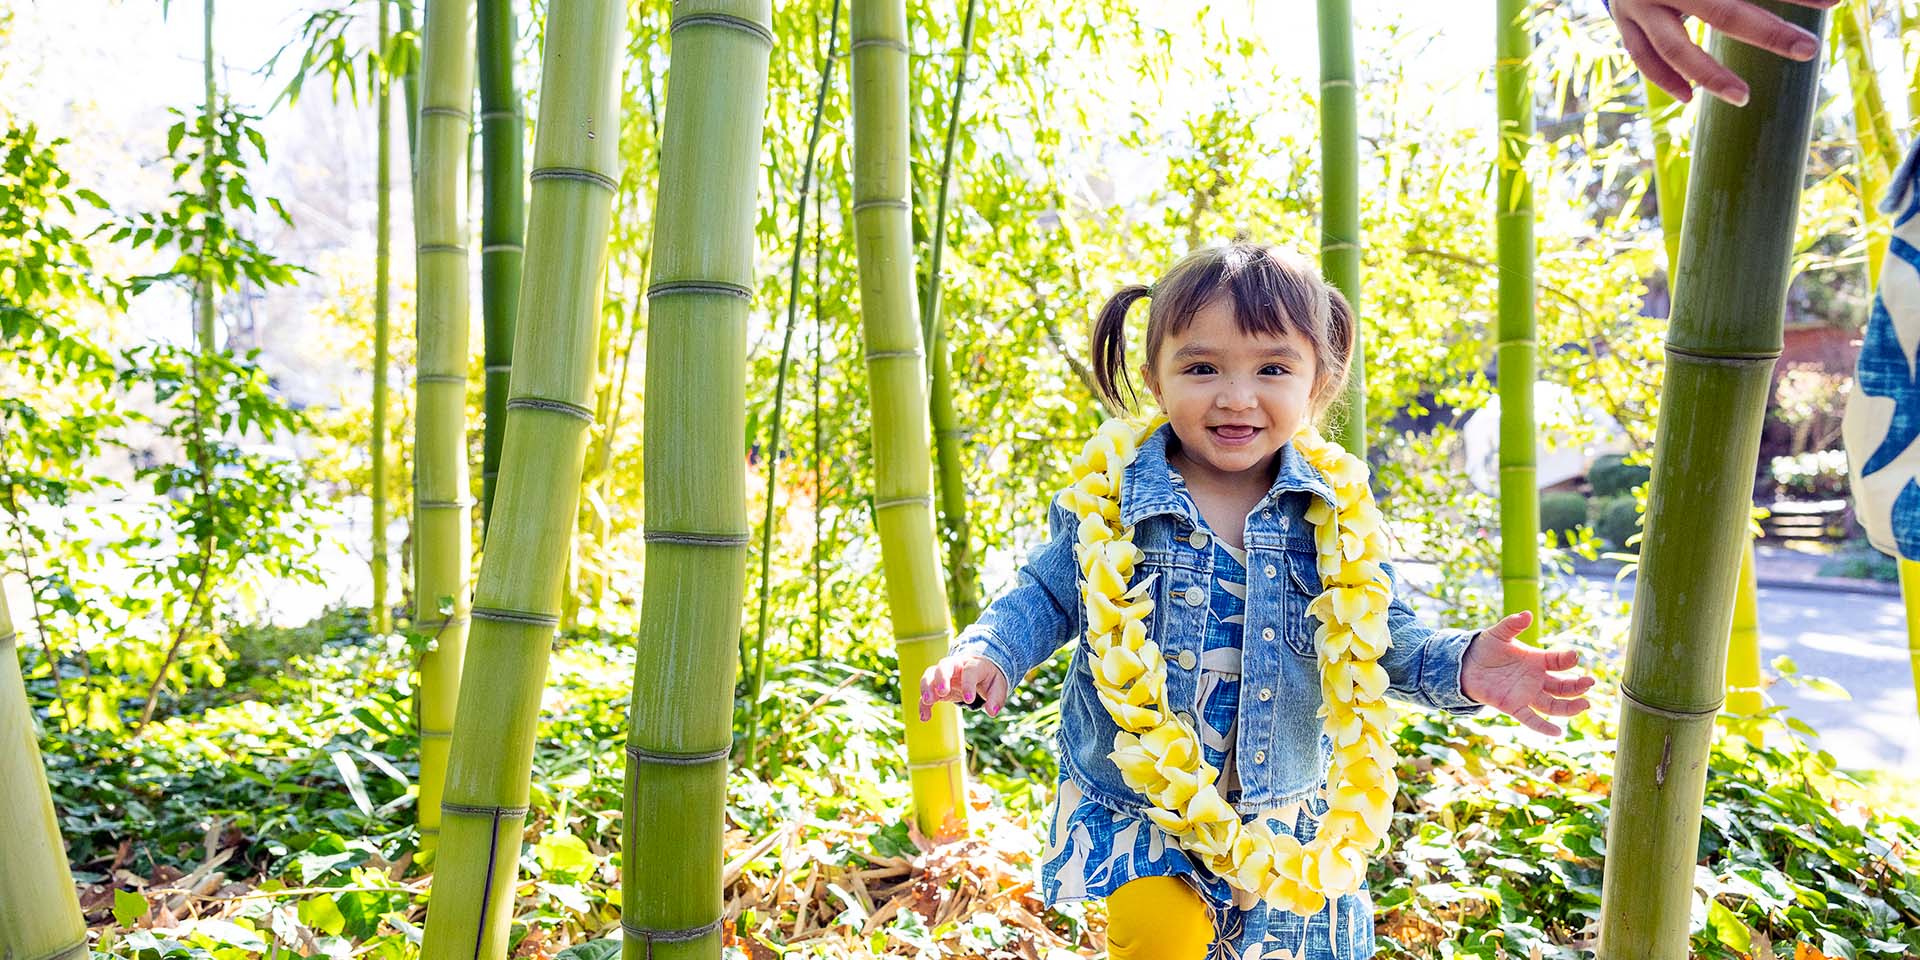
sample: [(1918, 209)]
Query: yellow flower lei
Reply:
[(1159, 755)]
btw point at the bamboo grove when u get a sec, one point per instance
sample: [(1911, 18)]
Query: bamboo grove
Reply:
[(636, 231)]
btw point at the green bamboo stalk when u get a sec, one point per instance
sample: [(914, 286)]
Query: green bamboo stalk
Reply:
[(819, 431), (382, 281), (1909, 15), (696, 484), (576, 169), (962, 577), (1879, 151), (1725, 337), (502, 226), (39, 915), (1519, 493), (442, 497), (771, 453), (210, 114), (1340, 202), (410, 88), (902, 471), (1672, 165)]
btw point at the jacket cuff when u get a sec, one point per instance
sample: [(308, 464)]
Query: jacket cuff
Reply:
[(1440, 680), (980, 640)]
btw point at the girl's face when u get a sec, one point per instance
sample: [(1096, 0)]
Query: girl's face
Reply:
[(1234, 399)]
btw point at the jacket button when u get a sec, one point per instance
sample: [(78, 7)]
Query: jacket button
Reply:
[(1195, 596), (1187, 660), (1259, 756), (1199, 539), (1266, 634), (1271, 572), (1266, 694)]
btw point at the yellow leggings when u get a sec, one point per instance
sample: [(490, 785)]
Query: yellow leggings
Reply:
[(1157, 918)]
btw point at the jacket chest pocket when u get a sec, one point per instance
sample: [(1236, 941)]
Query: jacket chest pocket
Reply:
[(1301, 586)]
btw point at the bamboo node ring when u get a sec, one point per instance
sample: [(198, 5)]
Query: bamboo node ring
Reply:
[(881, 202), (569, 408), (516, 616), (454, 112), (892, 502), (892, 354), (441, 248), (887, 42), (643, 755), (672, 287), (696, 539), (681, 935), (576, 174), (483, 810), (728, 21), (440, 378)]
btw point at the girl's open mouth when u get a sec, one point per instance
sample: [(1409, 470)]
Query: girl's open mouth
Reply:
[(1234, 434)]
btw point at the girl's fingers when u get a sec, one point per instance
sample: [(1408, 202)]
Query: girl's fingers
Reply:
[(1554, 707), (1745, 22), (1510, 626), (1657, 71), (1565, 686), (996, 695), (1670, 40), (1535, 722)]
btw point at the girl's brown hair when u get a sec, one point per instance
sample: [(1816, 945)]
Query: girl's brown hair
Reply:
[(1273, 292)]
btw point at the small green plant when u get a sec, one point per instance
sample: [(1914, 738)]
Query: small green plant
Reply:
[(1616, 519), (1860, 561), (1612, 475), (1562, 512)]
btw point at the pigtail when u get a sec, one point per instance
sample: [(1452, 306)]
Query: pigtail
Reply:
[(1110, 347), (1342, 336)]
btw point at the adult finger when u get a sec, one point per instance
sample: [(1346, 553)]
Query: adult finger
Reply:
[(1670, 40), (1652, 66), (1744, 21)]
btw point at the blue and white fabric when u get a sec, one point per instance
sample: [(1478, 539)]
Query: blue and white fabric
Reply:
[(1883, 413)]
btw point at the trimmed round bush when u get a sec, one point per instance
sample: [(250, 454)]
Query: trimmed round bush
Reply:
[(1562, 512), (1612, 475), (1615, 519)]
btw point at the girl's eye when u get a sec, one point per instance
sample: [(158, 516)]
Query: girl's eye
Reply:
[(1273, 369), (1200, 369)]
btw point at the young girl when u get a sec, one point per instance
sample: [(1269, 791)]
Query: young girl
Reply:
[(1230, 528)]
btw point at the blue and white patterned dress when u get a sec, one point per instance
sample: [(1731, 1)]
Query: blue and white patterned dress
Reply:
[(1094, 850)]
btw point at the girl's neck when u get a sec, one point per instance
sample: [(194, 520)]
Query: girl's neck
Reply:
[(1224, 499)]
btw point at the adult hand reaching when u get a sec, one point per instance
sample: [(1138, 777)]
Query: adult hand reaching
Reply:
[(1657, 39), (1519, 680)]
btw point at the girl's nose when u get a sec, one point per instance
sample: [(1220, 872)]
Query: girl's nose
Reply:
[(1234, 396)]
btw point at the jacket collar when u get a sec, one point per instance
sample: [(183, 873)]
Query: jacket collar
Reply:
[(1147, 490)]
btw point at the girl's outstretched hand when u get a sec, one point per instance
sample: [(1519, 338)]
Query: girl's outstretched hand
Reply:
[(961, 678), (1656, 37), (1518, 680)]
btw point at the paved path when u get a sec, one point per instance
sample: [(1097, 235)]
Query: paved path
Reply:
[(1860, 642)]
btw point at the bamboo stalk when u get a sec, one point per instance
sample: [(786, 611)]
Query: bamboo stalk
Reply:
[(39, 915), (442, 497), (819, 431), (502, 226), (1519, 491), (695, 487), (1671, 169), (1340, 202), (962, 578), (410, 87), (517, 601), (382, 280), (771, 453), (903, 473), (1879, 151), (1725, 337)]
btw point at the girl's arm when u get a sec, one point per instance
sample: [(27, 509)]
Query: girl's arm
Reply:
[(1423, 665), (1024, 626)]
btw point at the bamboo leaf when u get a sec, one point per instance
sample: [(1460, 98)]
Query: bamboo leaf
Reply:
[(351, 775)]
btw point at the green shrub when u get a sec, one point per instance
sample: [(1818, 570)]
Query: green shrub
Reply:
[(1612, 475), (1562, 512), (1615, 519)]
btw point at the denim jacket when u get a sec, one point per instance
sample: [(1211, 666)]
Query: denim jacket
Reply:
[(1282, 756)]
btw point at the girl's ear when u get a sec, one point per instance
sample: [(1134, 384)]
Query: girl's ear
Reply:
[(1153, 384)]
